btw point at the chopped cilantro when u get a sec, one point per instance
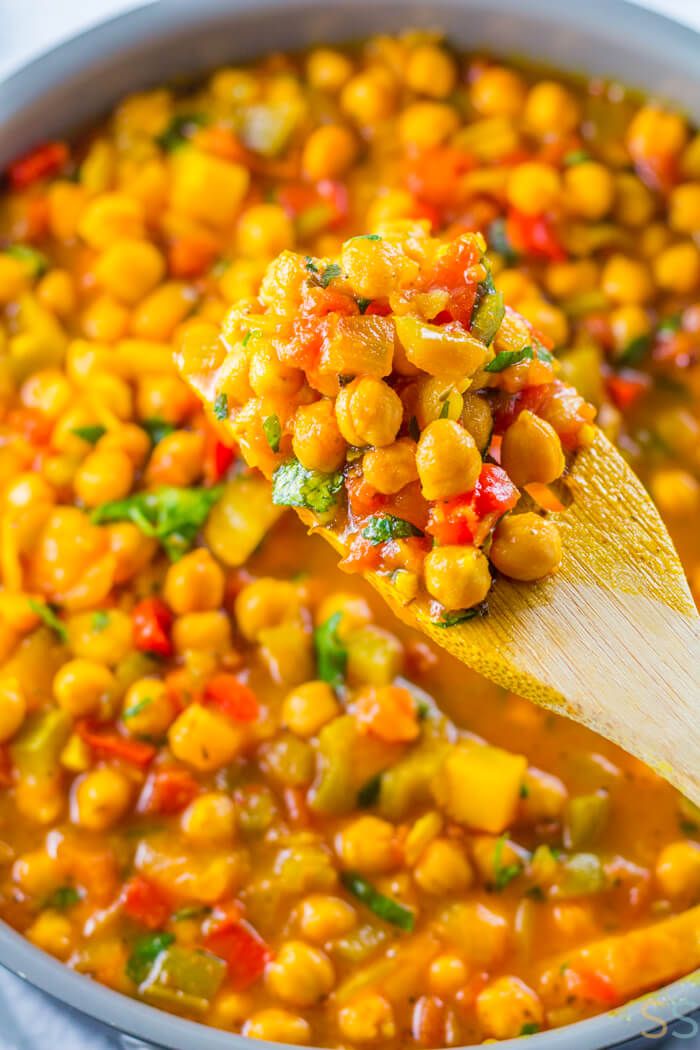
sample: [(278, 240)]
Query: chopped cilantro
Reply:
[(445, 410), (91, 434), (49, 617), (668, 325), (576, 156), (386, 908), (363, 304), (524, 791), (62, 898), (323, 277), (252, 333), (179, 130), (191, 911), (144, 953), (688, 827), (383, 527), (451, 619), (508, 358), (295, 486), (331, 654), (273, 432), (503, 873), (169, 514), (369, 792), (498, 240), (35, 260), (635, 350), (221, 406), (157, 429), (310, 264), (366, 237), (100, 620), (137, 707), (530, 1028)]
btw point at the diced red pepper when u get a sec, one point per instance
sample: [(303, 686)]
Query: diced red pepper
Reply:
[(335, 194), (191, 256), (450, 273), (494, 492), (362, 497), (469, 518), (232, 698), (363, 555), (626, 388), (168, 791), (244, 951), (596, 987), (533, 235), (112, 745), (151, 622), (433, 175), (222, 457), (32, 424), (38, 164), (377, 308), (143, 902), (454, 522)]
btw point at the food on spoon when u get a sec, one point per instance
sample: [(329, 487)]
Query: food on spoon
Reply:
[(345, 383)]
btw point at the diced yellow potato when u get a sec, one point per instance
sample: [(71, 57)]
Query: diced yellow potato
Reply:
[(360, 346), (205, 739), (207, 188), (206, 876), (480, 933), (480, 786), (440, 350), (239, 520)]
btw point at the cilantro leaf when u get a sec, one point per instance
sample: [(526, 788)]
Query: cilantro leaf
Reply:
[(363, 303), (445, 410), (137, 707), (508, 358), (295, 486), (49, 617), (62, 898), (272, 431), (331, 654), (252, 333), (489, 309), (576, 156), (35, 260), (503, 874), (157, 429), (530, 1028), (635, 350), (221, 406), (179, 130), (91, 434), (498, 240), (369, 792), (144, 953), (450, 619), (100, 620), (171, 515), (383, 527), (191, 911), (387, 909), (322, 278)]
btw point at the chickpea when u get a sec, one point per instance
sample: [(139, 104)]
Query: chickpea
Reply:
[(106, 641), (477, 420), (36, 873), (678, 869), (550, 110), (546, 318), (531, 451), (677, 268), (634, 202), (299, 974), (376, 267), (317, 441), (375, 656), (49, 391), (626, 280), (164, 397), (544, 796), (431, 71), (269, 377), (13, 707), (498, 92), (458, 577), (28, 490), (278, 1026), (566, 279), (328, 152), (676, 492), (427, 124), (266, 603), (505, 1005), (653, 132), (177, 459), (368, 844), (369, 1018), (435, 398), (589, 189), (128, 270), (628, 323), (83, 687), (369, 412), (534, 187), (443, 868), (684, 208), (103, 476), (147, 709), (354, 610), (105, 319), (368, 98), (390, 469), (195, 583), (264, 230), (447, 460), (328, 70), (210, 820), (53, 933), (447, 974), (201, 631), (157, 315), (308, 707), (131, 549), (56, 291), (204, 739), (128, 438), (526, 547), (322, 918), (100, 798), (111, 217)]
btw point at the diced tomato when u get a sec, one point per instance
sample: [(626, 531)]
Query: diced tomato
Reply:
[(469, 518), (363, 555), (39, 163), (190, 256), (494, 492), (450, 273), (168, 791), (596, 987), (143, 902), (136, 752), (222, 458), (626, 388), (318, 302), (533, 235), (303, 349), (151, 623), (336, 195), (363, 499), (37, 214), (377, 308), (433, 175), (389, 713), (232, 697), (295, 198), (244, 951), (31, 424), (508, 407), (453, 523)]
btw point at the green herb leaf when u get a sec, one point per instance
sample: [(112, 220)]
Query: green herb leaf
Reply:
[(100, 620), (157, 429), (63, 898), (295, 486), (688, 827), (91, 434), (49, 617), (310, 265), (503, 873), (387, 909), (144, 953), (369, 792), (191, 911), (363, 304), (171, 515), (445, 410), (508, 358), (366, 237), (530, 1028), (635, 350), (221, 406), (273, 432), (252, 333), (576, 156), (138, 707), (179, 130), (35, 260), (331, 654), (524, 791), (669, 325), (498, 240), (489, 309), (323, 278), (450, 619), (383, 527)]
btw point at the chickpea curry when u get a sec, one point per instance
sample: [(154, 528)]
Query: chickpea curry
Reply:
[(230, 784)]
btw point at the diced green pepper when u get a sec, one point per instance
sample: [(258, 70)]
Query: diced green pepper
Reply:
[(580, 875), (35, 752), (585, 818), (184, 977), (489, 310), (407, 783), (333, 789)]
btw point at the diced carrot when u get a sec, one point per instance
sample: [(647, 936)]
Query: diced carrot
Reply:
[(232, 697), (39, 163), (191, 256), (143, 902), (136, 752), (168, 791), (223, 143), (31, 424), (152, 620), (388, 712)]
